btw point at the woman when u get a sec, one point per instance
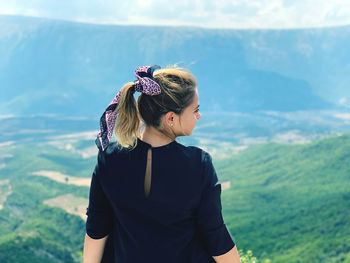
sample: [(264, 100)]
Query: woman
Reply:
[(153, 199)]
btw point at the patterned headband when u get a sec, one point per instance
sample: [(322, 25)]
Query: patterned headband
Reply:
[(145, 84)]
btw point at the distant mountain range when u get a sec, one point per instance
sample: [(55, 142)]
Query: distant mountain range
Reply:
[(75, 69)]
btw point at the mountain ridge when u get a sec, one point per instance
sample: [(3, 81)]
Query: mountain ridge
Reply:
[(54, 66)]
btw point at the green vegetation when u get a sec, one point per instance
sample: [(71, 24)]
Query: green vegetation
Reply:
[(286, 203), (249, 258), (29, 230), (290, 203)]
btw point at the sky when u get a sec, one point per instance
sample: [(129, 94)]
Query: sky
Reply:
[(245, 14)]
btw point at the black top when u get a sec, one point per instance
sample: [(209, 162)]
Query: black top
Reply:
[(179, 221)]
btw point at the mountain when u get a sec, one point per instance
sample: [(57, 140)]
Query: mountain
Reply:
[(75, 69)]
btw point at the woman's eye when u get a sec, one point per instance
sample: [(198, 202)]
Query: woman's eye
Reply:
[(196, 110)]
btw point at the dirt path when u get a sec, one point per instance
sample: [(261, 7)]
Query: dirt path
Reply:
[(63, 178), (5, 191), (70, 203)]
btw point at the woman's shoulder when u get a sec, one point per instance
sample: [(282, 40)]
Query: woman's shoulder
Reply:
[(196, 151), (112, 149)]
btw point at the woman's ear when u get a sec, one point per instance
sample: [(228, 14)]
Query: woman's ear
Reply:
[(170, 118)]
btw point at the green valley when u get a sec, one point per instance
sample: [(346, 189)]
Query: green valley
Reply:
[(284, 202)]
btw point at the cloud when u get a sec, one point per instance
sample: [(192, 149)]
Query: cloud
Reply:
[(344, 102), (343, 116), (211, 14)]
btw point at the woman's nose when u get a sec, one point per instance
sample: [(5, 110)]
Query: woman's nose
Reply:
[(199, 115)]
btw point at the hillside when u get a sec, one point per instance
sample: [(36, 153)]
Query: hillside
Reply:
[(291, 202), (288, 203), (31, 230)]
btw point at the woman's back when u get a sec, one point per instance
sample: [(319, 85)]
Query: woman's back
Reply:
[(181, 216)]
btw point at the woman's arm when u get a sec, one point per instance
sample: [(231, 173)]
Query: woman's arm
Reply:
[(230, 257), (99, 222), (93, 249), (209, 220)]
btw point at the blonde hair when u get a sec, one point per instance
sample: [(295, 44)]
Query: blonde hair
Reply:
[(177, 86)]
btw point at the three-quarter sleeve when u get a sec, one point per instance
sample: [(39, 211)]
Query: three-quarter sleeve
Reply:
[(99, 222), (216, 237)]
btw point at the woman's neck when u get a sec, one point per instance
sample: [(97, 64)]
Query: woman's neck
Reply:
[(154, 137)]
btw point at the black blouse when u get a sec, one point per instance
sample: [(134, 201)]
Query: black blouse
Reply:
[(179, 221)]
